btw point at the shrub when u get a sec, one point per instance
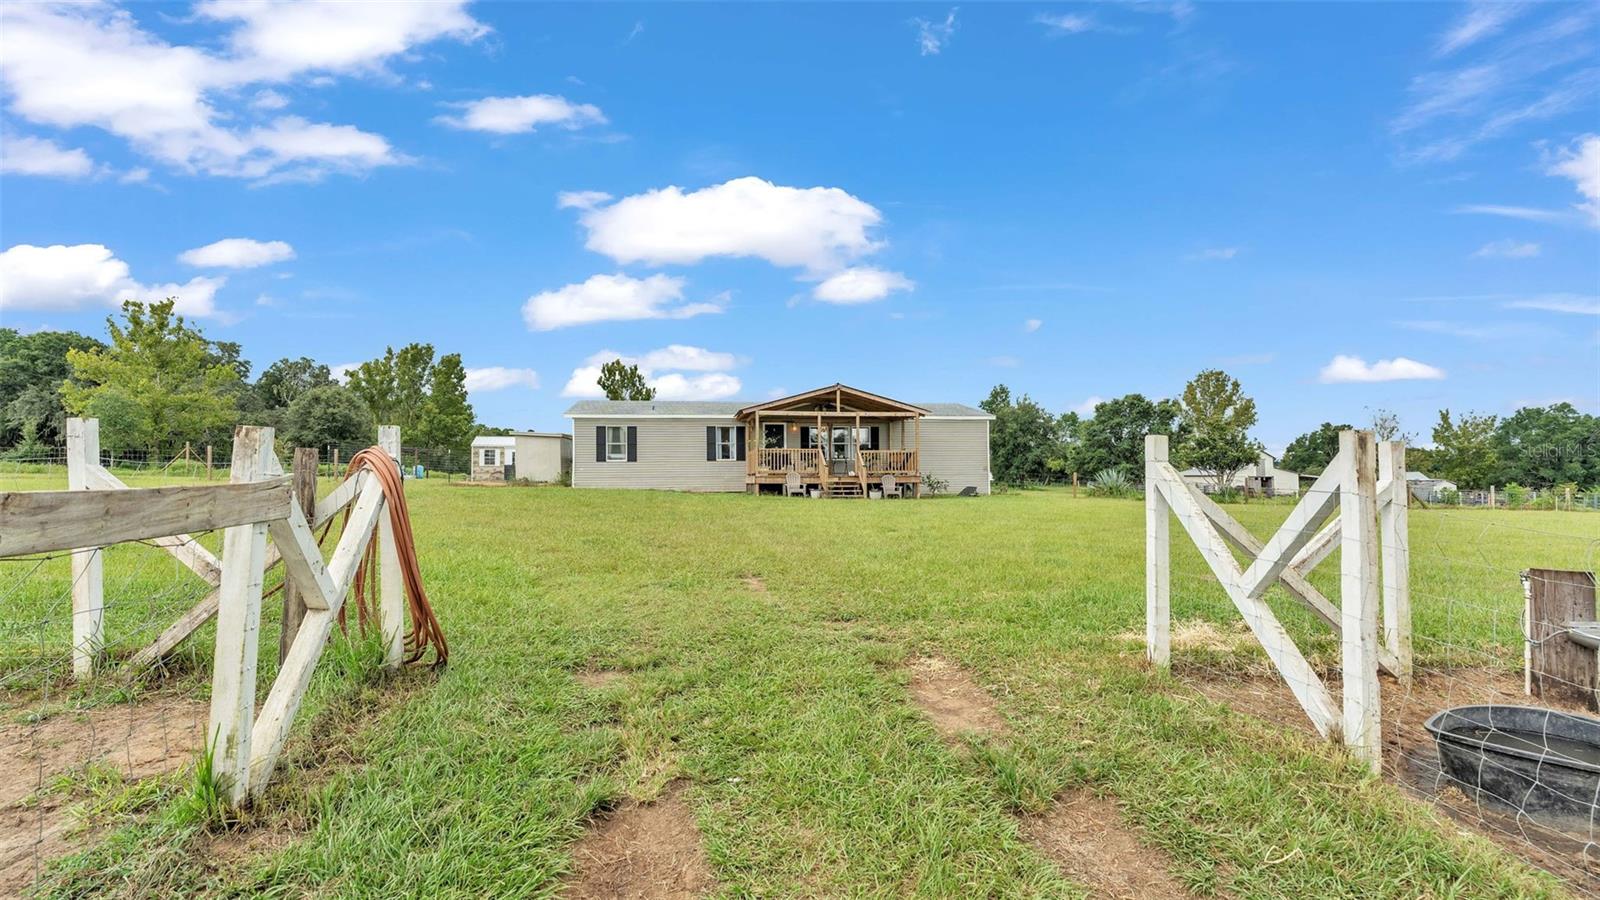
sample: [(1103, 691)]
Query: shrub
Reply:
[(934, 485), (1111, 483), (1516, 495)]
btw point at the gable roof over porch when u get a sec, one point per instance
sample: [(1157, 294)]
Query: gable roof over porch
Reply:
[(835, 398)]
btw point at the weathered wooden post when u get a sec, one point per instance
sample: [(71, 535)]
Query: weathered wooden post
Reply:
[(208, 462), (1358, 594), (1394, 533), (88, 564), (305, 494), (391, 579), (233, 670), (1157, 556), (1554, 665)]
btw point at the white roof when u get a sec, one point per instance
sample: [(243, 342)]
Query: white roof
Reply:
[(494, 440)]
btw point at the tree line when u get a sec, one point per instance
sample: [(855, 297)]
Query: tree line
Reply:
[(1209, 424), (158, 383)]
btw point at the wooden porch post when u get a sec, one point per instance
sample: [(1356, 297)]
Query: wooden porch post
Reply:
[(916, 488)]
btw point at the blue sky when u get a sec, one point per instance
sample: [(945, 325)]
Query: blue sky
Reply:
[(1347, 206)]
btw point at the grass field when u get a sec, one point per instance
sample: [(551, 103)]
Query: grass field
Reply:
[(763, 645)]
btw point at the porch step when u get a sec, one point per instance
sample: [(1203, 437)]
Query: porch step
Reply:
[(843, 489)]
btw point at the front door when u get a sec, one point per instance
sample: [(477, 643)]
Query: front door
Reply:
[(842, 450)]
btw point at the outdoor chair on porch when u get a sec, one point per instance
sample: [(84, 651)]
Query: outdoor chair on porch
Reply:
[(891, 488), (792, 485)]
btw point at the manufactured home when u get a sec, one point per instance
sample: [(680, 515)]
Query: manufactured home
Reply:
[(540, 456), (836, 441)]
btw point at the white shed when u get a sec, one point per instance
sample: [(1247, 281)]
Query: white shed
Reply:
[(538, 456), (1427, 488), (493, 455), (1262, 478)]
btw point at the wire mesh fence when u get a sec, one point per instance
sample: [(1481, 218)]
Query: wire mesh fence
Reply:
[(1468, 583), (62, 737)]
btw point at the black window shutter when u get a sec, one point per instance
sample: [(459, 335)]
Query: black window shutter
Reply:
[(805, 437), (633, 443), (599, 443), (873, 439), (739, 442), (711, 443)]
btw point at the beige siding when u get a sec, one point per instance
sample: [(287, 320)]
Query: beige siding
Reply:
[(957, 450), (542, 458), (672, 456)]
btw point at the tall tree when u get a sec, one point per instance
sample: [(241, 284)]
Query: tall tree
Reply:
[(285, 380), (1311, 452), (624, 382), (447, 421), (328, 415), (373, 382), (1023, 437), (1540, 446), (1217, 417), (157, 384), (1386, 426), (413, 382), (1464, 449), (1114, 437), (32, 367)]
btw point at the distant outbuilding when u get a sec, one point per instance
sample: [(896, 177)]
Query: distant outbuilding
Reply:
[(537, 456)]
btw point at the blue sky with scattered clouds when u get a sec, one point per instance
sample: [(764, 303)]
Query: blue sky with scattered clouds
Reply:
[(1348, 206)]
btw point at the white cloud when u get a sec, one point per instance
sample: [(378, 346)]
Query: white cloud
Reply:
[(1508, 249), (340, 370), (1582, 165), (663, 370), (1066, 23), (1213, 254), (1032, 325), (498, 378), (91, 64), (818, 229), (518, 115), (1573, 304), (581, 199), (62, 277), (268, 99), (1086, 408), (277, 39), (1482, 20), (237, 253), (1533, 75), (608, 298), (1353, 369), (932, 36), (863, 284), (135, 176), (24, 155), (1524, 213)]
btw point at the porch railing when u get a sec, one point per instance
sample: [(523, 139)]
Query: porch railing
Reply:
[(807, 461), (888, 462)]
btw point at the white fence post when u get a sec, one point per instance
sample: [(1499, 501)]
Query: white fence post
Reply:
[(391, 580), (1157, 557), (88, 564), (233, 686), (1394, 533), (1358, 595)]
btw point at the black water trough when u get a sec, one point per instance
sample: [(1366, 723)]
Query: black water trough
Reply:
[(1543, 763)]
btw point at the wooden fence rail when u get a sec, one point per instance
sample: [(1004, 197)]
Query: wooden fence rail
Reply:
[(99, 510), (1361, 496)]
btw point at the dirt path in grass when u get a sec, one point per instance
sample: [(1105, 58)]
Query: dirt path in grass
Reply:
[(642, 851), (1081, 833), (154, 736), (1410, 757)]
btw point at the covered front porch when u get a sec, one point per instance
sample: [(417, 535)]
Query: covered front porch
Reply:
[(835, 441)]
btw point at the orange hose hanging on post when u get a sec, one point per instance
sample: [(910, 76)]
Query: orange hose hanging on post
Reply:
[(425, 630)]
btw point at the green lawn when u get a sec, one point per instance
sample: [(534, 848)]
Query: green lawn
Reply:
[(782, 701)]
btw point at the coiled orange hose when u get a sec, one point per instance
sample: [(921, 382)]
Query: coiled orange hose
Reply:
[(425, 630)]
